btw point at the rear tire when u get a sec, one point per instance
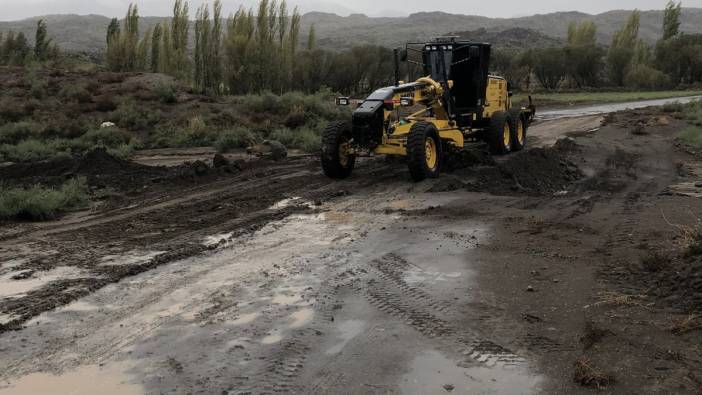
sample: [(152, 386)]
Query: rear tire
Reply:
[(499, 134), (335, 140), (424, 155), (518, 126)]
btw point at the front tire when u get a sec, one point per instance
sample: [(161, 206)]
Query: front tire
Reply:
[(424, 155), (336, 162), (499, 134)]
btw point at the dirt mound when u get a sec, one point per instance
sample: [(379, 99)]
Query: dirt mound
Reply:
[(100, 169), (679, 283), (543, 169), (536, 171)]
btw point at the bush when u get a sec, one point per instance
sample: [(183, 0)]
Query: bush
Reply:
[(12, 111), (166, 93), (672, 107), (641, 76), (306, 139), (130, 117), (33, 150), (13, 133), (691, 136), (38, 88), (78, 93), (106, 137), (235, 138), (39, 203)]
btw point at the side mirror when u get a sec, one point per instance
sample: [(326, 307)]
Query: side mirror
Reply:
[(474, 52)]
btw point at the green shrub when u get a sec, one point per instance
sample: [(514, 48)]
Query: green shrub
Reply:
[(106, 137), (78, 93), (642, 76), (38, 203), (306, 139), (38, 88), (691, 136), (122, 151), (28, 151), (235, 138), (13, 133), (166, 93), (130, 117), (672, 107)]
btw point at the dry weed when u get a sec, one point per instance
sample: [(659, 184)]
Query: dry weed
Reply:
[(586, 375), (690, 323)]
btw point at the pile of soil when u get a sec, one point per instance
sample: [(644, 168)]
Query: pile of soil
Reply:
[(100, 169), (536, 171), (680, 283)]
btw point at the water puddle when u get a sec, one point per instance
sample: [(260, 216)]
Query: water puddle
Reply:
[(348, 330), (244, 319), (130, 258), (429, 277), (80, 306), (217, 239), (289, 202), (86, 380), (301, 318), (10, 288), (274, 337), (432, 373)]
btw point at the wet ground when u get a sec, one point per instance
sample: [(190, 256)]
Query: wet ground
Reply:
[(274, 279)]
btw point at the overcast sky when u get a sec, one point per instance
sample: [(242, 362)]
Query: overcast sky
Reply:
[(19, 9)]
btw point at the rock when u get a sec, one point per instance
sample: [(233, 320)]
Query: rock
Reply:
[(530, 289), (219, 161), (107, 125), (269, 148), (200, 167), (449, 387), (278, 150)]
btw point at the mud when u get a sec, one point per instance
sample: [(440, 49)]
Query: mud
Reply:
[(521, 275)]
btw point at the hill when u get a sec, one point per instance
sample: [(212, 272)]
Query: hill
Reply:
[(87, 33)]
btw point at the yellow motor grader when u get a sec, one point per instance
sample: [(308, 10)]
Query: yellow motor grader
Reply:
[(457, 104)]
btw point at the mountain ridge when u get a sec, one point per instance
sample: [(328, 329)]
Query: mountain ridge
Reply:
[(87, 32)]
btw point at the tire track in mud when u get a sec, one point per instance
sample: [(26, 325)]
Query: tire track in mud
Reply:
[(284, 364), (388, 291)]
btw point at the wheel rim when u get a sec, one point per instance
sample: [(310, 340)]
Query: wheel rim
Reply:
[(430, 154), (506, 136), (520, 132), (343, 153)]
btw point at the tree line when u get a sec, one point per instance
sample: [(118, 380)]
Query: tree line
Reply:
[(249, 51), (628, 62), (15, 49)]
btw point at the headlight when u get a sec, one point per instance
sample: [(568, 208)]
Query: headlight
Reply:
[(406, 101)]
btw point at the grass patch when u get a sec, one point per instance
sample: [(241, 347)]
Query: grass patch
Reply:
[(588, 376), (604, 97), (305, 138), (235, 138), (692, 322), (38, 203)]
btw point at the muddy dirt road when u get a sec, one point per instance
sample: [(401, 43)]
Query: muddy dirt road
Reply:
[(494, 279)]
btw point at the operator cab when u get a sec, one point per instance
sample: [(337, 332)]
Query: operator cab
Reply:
[(466, 64)]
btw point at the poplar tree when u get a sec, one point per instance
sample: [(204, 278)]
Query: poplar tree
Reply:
[(621, 51), (41, 42), (671, 20)]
